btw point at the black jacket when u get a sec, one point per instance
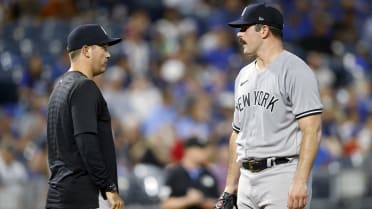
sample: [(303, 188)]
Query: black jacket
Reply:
[(81, 150)]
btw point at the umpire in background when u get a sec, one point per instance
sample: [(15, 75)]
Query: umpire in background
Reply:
[(81, 149)]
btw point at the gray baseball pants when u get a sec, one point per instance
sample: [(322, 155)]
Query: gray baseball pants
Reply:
[(268, 189)]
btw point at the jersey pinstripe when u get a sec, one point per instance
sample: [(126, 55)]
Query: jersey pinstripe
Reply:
[(268, 104)]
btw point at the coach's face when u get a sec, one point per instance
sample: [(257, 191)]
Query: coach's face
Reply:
[(99, 58), (250, 39)]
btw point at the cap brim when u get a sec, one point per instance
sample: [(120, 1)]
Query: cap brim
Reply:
[(196, 146), (239, 23), (113, 41)]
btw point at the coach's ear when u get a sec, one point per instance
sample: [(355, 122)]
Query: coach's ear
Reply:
[(85, 51)]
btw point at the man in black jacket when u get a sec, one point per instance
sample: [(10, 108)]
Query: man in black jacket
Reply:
[(190, 184), (81, 149)]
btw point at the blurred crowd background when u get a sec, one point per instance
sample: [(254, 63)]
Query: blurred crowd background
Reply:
[(172, 79)]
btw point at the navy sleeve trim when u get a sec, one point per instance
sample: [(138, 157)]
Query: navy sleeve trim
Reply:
[(235, 128), (308, 113)]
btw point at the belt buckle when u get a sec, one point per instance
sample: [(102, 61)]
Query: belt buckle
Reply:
[(270, 162), (251, 166)]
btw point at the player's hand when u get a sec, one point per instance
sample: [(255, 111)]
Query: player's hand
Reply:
[(115, 200), (297, 196), (227, 201)]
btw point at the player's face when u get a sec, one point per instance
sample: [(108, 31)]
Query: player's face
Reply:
[(100, 55), (250, 39)]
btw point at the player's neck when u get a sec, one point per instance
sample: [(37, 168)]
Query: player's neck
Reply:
[(81, 67), (268, 54)]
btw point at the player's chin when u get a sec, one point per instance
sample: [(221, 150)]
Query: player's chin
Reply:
[(244, 47), (246, 51), (103, 67), (100, 70)]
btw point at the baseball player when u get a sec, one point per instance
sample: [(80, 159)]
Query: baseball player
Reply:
[(81, 152), (277, 120)]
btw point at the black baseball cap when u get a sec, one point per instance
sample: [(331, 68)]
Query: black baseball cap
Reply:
[(89, 34), (259, 13), (195, 142)]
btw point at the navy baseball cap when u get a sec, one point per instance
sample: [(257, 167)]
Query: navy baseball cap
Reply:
[(89, 34), (195, 142), (259, 13)]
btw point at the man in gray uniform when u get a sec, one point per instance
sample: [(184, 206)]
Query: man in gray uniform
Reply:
[(277, 119)]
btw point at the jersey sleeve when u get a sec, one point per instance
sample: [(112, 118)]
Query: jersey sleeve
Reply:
[(90, 151), (303, 91), (84, 103), (236, 121)]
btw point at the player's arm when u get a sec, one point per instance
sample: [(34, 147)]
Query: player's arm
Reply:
[(311, 134), (228, 198), (233, 171), (84, 104)]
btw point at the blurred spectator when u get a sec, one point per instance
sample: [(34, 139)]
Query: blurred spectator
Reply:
[(60, 66), (220, 52), (35, 80), (154, 8), (220, 163), (364, 138), (331, 147), (158, 129), (367, 33), (222, 117), (142, 99), (194, 122), (2, 13), (134, 46), (13, 177), (163, 116), (36, 190), (350, 126), (113, 91), (171, 28), (18, 9), (172, 70), (298, 20), (190, 184), (324, 74), (8, 131), (319, 39), (60, 9), (223, 12)]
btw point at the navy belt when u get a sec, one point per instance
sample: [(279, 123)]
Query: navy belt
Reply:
[(257, 165)]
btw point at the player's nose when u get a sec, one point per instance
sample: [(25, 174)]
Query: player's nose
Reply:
[(239, 34)]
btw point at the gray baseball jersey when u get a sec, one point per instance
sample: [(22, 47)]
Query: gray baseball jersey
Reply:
[(268, 104)]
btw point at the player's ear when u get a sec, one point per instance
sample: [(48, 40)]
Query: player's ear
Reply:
[(85, 51), (265, 30)]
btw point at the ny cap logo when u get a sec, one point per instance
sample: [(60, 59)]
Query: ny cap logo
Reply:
[(260, 18), (244, 11), (104, 30)]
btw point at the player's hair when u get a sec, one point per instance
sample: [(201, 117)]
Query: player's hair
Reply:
[(275, 31), (74, 54)]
